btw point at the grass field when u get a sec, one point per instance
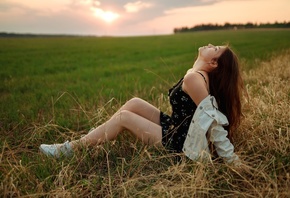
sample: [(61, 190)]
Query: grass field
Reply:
[(54, 89)]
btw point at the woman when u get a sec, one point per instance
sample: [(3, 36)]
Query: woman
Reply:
[(215, 74)]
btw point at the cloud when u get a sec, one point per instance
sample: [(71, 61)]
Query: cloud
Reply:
[(129, 16), (93, 3), (136, 6), (70, 18)]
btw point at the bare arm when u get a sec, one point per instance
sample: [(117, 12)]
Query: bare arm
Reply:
[(195, 86)]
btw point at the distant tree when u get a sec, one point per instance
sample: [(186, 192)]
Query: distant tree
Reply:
[(227, 26)]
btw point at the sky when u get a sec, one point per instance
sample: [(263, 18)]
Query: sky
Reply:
[(132, 17)]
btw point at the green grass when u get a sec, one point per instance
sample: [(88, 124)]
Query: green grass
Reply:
[(53, 89), (35, 72)]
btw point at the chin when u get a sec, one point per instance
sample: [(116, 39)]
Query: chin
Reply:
[(200, 49)]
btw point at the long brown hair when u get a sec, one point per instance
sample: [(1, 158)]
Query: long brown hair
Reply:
[(226, 86)]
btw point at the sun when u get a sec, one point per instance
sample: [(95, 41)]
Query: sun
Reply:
[(107, 16)]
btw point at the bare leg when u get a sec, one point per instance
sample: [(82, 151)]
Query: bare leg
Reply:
[(137, 116)]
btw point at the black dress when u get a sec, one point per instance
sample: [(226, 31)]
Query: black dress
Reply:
[(175, 127)]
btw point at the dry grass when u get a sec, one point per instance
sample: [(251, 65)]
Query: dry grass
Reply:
[(124, 169)]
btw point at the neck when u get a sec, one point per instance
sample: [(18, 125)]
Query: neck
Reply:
[(200, 65)]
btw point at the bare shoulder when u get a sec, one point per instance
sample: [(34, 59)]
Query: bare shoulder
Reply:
[(194, 85)]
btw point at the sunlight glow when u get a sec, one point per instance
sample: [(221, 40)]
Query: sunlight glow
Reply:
[(107, 16)]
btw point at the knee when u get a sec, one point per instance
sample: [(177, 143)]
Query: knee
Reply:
[(132, 103), (134, 100), (122, 116)]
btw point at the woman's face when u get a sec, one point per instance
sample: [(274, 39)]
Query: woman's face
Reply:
[(211, 52)]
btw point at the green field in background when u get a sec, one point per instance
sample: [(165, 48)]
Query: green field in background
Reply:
[(36, 72)]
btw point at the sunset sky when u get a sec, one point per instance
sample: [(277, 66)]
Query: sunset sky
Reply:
[(132, 17)]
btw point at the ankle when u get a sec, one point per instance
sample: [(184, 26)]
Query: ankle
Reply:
[(66, 149)]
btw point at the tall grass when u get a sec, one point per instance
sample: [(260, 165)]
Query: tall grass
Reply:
[(126, 168)]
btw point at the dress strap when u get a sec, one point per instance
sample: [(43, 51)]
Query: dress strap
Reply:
[(203, 78)]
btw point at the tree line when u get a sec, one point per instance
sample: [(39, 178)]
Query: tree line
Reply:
[(28, 35), (229, 26)]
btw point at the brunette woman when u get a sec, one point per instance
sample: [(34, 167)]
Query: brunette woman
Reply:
[(206, 110)]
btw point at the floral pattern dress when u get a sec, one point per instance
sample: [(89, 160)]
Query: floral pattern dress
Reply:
[(175, 127)]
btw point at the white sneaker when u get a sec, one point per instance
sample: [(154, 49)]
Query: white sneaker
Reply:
[(57, 150)]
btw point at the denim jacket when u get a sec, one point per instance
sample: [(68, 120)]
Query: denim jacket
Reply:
[(207, 124)]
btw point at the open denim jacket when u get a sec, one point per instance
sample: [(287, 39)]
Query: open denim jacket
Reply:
[(207, 124)]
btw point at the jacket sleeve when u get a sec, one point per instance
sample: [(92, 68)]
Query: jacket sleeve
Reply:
[(223, 146), (208, 121), (196, 145)]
